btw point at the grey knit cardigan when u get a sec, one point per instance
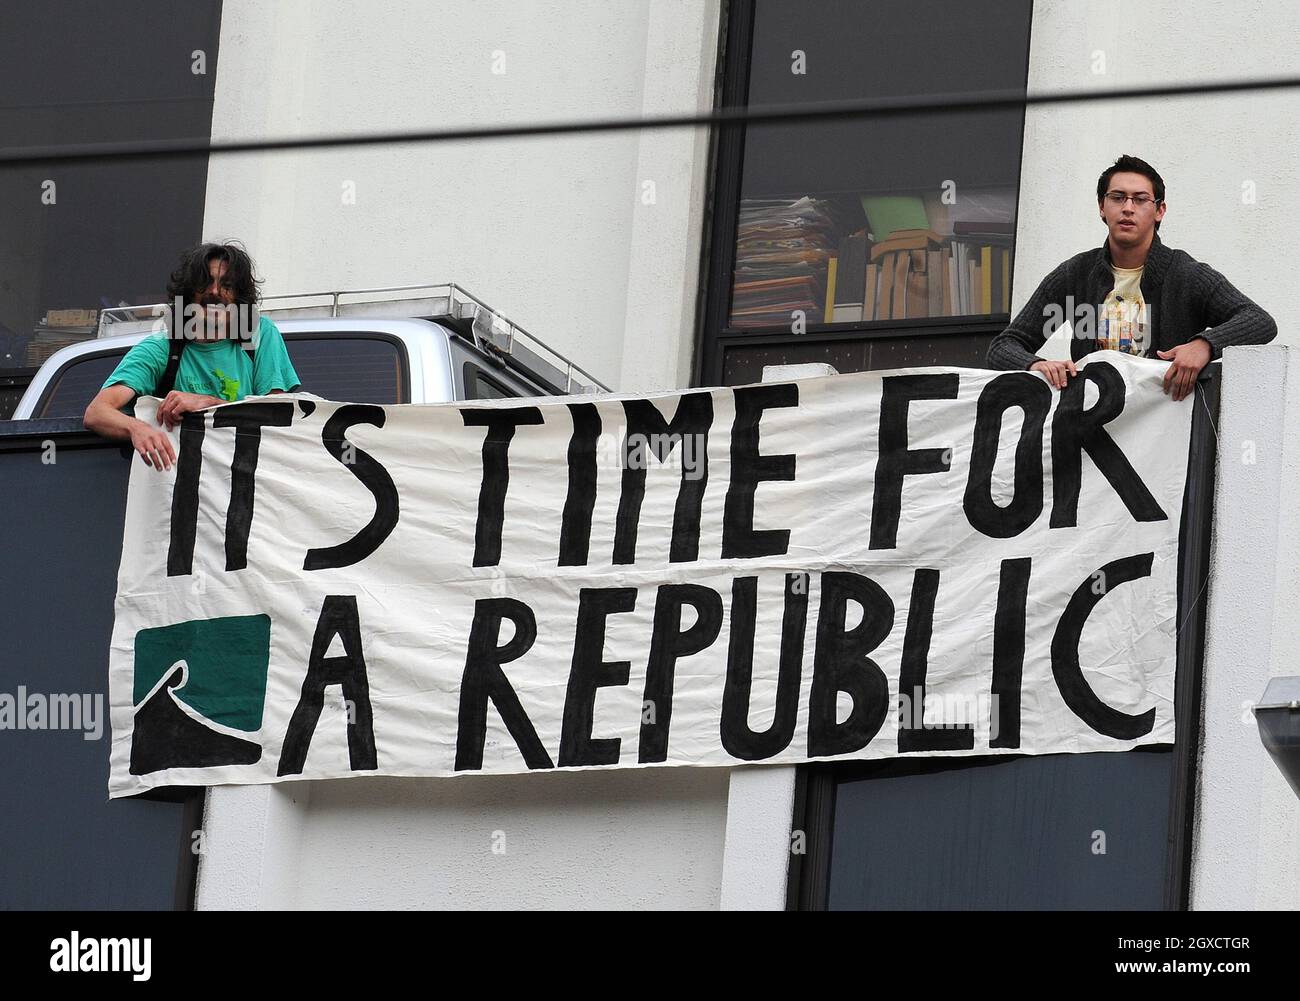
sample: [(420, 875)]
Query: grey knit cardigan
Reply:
[(1186, 296)]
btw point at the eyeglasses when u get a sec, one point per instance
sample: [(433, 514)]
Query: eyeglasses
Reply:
[(1140, 200)]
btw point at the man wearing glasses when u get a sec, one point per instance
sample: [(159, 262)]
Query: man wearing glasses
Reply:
[(1133, 294)]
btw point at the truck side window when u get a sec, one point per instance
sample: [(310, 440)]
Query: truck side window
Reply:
[(481, 386), (76, 385), (358, 369)]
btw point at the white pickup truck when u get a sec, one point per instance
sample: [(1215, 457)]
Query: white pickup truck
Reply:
[(63, 845), (411, 344)]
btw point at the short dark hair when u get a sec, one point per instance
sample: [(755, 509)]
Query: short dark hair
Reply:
[(1132, 165), (192, 276)]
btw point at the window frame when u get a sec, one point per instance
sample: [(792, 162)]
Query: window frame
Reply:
[(471, 372), (403, 353), (56, 380), (715, 336)]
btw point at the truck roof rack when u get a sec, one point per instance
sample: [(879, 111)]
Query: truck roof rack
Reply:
[(489, 331)]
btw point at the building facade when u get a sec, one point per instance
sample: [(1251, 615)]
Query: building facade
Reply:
[(642, 254)]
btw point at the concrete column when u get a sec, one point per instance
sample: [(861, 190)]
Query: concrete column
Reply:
[(1246, 852), (249, 858), (760, 800)]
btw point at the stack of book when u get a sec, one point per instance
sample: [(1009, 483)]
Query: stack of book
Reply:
[(917, 270), (981, 252), (888, 279), (45, 342), (58, 329), (782, 250)]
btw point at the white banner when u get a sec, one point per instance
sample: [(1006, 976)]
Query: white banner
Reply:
[(923, 561)]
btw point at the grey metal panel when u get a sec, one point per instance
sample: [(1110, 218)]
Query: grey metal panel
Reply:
[(63, 844), (1009, 835)]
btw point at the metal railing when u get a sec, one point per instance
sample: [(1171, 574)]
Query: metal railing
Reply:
[(491, 331)]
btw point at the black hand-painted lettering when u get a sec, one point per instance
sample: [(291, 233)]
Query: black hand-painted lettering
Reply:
[(737, 738), (483, 680), (501, 426), (1009, 650), (1034, 397), (338, 617), (185, 496), (1075, 431), (740, 540), (1075, 690), (668, 644), (589, 672), (896, 460), (913, 734), (648, 433), (575, 528), (247, 419), (372, 475), (841, 664)]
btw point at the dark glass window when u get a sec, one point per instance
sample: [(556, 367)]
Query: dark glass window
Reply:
[(900, 202), (77, 384), (866, 242), (356, 369), (63, 844), (481, 386), (1055, 832), (82, 235)]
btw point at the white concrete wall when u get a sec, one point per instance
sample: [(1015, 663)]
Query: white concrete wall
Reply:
[(643, 838), (557, 233), (562, 236), (1247, 839), (1207, 148)]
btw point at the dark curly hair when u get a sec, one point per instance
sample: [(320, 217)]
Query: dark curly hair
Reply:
[(191, 276), (1132, 165)]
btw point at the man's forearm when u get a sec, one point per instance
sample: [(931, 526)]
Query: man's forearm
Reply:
[(109, 422), (1014, 349), (1009, 353), (1249, 325), (1231, 316)]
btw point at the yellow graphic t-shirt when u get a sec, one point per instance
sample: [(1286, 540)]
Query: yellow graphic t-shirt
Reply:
[(1125, 322)]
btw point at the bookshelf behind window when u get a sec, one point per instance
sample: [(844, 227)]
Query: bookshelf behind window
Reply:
[(859, 257), (788, 196)]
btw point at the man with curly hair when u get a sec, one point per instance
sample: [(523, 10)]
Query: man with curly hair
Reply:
[(199, 361)]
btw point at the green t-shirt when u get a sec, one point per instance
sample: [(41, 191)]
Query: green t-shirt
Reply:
[(222, 368)]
